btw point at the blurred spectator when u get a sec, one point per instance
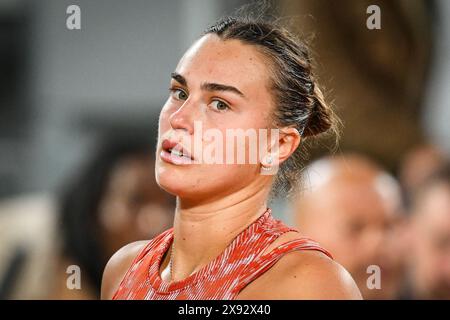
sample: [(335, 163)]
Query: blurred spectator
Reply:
[(112, 201), (417, 165), (353, 208), (430, 233)]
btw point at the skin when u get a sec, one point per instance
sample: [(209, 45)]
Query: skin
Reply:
[(348, 215), (430, 252), (217, 202)]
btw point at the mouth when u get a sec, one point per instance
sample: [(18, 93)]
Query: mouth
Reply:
[(174, 153)]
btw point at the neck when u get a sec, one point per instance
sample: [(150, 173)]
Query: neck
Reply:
[(203, 231)]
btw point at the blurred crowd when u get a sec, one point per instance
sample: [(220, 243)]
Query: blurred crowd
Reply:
[(391, 232)]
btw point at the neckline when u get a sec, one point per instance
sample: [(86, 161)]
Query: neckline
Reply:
[(163, 286)]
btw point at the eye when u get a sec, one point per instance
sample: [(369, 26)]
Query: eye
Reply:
[(178, 93), (219, 105)]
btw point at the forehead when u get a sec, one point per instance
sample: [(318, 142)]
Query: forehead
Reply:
[(231, 62)]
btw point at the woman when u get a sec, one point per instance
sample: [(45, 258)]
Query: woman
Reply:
[(244, 75)]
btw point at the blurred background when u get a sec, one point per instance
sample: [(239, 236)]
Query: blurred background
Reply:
[(78, 115)]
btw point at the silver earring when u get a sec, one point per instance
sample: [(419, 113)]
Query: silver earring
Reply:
[(269, 159)]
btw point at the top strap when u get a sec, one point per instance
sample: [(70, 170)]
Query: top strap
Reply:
[(266, 261), (155, 242)]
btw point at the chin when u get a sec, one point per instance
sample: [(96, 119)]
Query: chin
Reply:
[(173, 188), (174, 181)]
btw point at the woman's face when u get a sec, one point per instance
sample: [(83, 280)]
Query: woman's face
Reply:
[(217, 86)]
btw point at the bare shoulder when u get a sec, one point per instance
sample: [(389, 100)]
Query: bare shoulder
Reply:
[(118, 265), (303, 274)]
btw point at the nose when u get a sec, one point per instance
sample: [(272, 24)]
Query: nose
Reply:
[(182, 118)]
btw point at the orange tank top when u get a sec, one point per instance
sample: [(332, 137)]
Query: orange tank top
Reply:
[(224, 277)]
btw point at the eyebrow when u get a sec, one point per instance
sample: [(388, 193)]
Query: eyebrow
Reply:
[(179, 78), (207, 85)]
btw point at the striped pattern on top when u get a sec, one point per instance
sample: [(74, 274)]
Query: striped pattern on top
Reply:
[(224, 277)]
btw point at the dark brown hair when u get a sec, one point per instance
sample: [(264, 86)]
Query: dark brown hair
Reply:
[(298, 98)]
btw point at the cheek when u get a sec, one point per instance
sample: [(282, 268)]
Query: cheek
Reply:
[(245, 146)]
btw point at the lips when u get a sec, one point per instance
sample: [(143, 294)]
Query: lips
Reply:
[(173, 152)]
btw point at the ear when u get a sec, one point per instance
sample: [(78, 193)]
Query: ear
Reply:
[(288, 140)]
